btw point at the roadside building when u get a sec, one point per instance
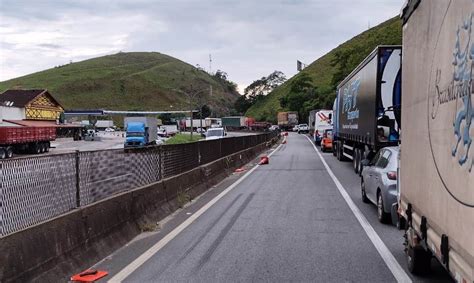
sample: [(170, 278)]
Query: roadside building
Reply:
[(34, 107)]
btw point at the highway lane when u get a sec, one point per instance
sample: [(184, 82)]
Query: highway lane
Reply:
[(392, 237), (285, 221)]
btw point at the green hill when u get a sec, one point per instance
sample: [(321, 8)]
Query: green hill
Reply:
[(129, 81), (331, 68)]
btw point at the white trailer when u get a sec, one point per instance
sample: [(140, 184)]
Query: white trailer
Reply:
[(436, 174)]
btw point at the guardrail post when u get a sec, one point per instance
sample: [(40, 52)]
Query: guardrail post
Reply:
[(78, 189)]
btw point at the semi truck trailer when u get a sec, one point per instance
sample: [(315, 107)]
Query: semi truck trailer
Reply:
[(25, 140), (366, 111), (140, 131), (436, 174), (234, 122), (287, 120)]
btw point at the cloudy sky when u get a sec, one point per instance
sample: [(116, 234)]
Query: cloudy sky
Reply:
[(247, 39)]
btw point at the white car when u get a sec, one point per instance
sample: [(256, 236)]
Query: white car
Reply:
[(303, 128), (109, 130), (295, 128), (215, 133)]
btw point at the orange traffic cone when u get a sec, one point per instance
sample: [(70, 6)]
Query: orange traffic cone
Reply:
[(263, 160)]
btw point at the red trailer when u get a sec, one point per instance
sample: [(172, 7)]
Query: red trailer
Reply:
[(25, 139)]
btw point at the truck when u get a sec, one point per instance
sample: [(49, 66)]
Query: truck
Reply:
[(367, 108), (140, 131), (287, 120), (197, 123), (322, 121), (22, 139), (436, 174), (234, 122)]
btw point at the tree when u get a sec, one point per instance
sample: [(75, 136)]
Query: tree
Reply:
[(242, 104), (301, 95), (265, 85)]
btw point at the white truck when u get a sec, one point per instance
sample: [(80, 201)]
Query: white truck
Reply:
[(322, 121), (436, 174)]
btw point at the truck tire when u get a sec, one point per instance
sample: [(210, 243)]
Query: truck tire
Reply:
[(35, 148), (3, 154), (43, 147), (381, 214), (418, 260), (355, 154), (338, 151), (362, 191), (334, 149), (47, 145), (9, 152), (361, 157)]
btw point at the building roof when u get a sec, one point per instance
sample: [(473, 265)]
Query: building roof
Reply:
[(21, 97)]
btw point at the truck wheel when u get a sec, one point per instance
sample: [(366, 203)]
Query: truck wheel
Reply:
[(46, 146), (362, 190), (401, 222), (361, 157), (381, 214), (338, 152), (9, 152), (418, 260), (3, 154), (334, 149), (354, 159), (36, 148)]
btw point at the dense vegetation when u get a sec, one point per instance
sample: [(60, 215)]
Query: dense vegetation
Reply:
[(314, 87), (131, 81)]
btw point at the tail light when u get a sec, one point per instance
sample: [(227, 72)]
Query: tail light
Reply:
[(392, 175)]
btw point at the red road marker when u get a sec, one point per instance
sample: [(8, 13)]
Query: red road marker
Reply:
[(89, 275)]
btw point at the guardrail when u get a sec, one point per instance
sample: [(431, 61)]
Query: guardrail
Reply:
[(35, 189)]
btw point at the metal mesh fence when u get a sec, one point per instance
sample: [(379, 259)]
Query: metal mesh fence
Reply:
[(35, 189)]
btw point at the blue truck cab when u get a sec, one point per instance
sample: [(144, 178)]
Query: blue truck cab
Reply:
[(137, 135)]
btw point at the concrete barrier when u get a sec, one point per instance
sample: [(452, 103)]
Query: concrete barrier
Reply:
[(53, 250)]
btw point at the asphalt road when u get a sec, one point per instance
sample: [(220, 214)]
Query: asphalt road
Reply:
[(286, 221)]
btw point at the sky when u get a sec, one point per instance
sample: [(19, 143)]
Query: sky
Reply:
[(246, 39)]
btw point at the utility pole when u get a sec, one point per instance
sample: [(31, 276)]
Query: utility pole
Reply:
[(210, 64)]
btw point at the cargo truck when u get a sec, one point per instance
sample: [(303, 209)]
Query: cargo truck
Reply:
[(234, 122), (287, 120), (140, 131), (366, 112), (25, 140), (436, 174)]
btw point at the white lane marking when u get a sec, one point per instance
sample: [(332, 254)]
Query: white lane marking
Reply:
[(134, 265), (397, 271)]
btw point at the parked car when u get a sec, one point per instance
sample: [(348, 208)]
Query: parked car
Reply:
[(326, 141), (295, 128), (303, 128), (379, 181), (274, 128), (109, 130), (215, 133)]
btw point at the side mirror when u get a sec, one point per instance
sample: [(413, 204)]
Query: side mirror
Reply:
[(365, 162)]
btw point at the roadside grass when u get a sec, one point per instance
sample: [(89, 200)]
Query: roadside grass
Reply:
[(183, 138)]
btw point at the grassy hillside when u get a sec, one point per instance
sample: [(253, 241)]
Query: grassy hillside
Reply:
[(338, 62), (127, 81)]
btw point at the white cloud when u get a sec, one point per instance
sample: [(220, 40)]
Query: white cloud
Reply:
[(247, 39)]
